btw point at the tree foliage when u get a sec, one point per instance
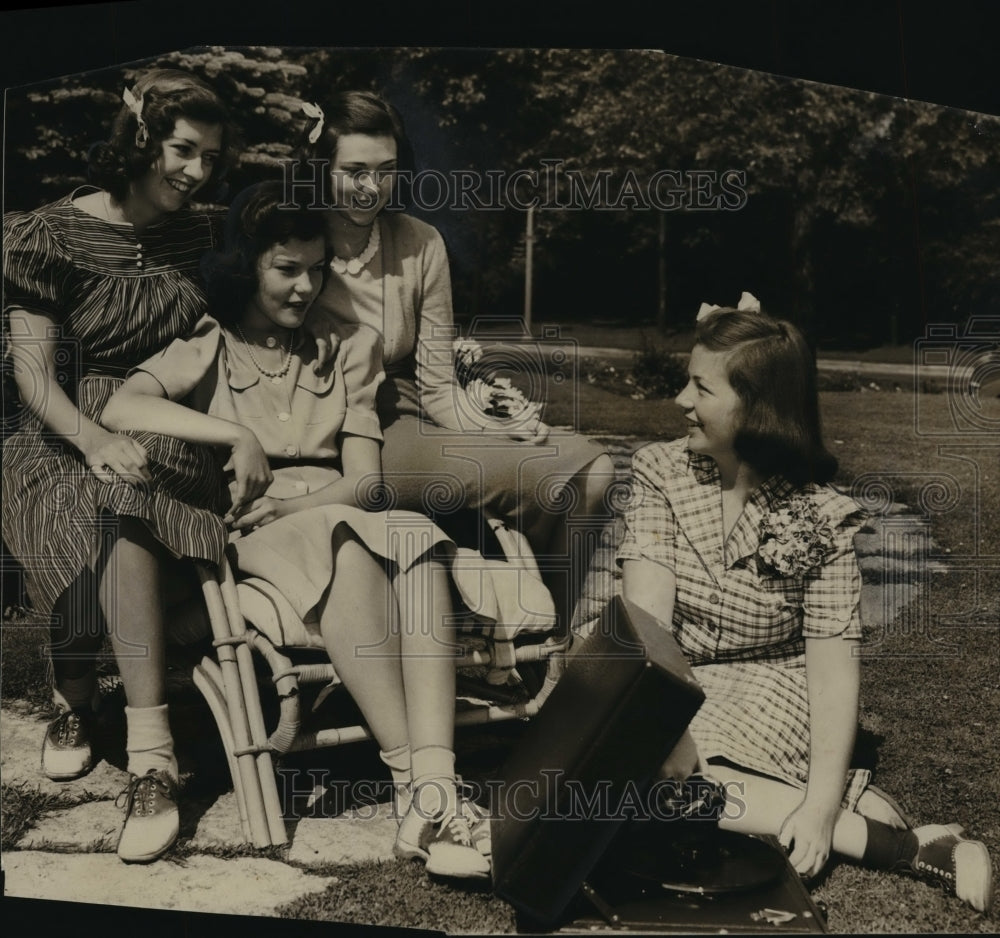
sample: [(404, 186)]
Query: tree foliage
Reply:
[(861, 216)]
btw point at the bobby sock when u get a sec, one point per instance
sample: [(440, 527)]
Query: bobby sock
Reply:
[(888, 847), (149, 743), (434, 792), (398, 762)]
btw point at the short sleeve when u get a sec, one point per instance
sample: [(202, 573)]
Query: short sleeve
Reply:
[(650, 526), (359, 359), (831, 603), (36, 269), (186, 362)]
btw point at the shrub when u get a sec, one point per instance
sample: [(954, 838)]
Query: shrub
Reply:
[(839, 381), (659, 373)]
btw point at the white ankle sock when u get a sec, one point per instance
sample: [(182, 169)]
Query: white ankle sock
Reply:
[(434, 791), (150, 744)]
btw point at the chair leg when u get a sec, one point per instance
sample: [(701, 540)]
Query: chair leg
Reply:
[(236, 709), (208, 679), (255, 715)]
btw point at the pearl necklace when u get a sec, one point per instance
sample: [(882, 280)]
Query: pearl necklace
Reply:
[(355, 265), (275, 376)]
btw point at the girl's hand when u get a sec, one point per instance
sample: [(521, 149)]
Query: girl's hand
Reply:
[(262, 511), (319, 324), (531, 429), (112, 455), (252, 472), (808, 835), (525, 427)]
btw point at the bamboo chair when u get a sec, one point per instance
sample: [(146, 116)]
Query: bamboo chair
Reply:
[(508, 620)]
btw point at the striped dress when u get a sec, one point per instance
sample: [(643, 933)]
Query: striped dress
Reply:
[(742, 627), (114, 299)]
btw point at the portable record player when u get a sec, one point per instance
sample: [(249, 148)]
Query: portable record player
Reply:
[(704, 881), (583, 841)]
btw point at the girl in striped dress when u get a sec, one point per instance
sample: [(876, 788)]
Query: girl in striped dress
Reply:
[(93, 284), (734, 537)]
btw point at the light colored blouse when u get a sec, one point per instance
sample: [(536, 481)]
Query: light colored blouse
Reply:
[(299, 419), (404, 293)]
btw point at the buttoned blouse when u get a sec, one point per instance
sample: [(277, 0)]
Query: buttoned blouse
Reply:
[(405, 294), (298, 420), (726, 607)]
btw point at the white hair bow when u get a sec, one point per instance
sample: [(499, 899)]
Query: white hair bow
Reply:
[(133, 101), (748, 303), (316, 113)]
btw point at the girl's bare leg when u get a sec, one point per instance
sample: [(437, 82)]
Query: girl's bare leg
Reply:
[(436, 827), (934, 852), (132, 599), (757, 805), (360, 628), (427, 654), (75, 639)]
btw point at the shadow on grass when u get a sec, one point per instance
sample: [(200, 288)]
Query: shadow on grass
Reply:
[(402, 895)]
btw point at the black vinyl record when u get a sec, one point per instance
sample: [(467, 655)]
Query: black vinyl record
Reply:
[(702, 860)]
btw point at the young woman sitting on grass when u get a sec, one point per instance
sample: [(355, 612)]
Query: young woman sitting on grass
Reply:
[(735, 538), (303, 447)]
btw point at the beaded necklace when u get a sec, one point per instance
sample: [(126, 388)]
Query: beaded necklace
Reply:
[(275, 376)]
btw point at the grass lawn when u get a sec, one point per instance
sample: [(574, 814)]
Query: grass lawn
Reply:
[(930, 681)]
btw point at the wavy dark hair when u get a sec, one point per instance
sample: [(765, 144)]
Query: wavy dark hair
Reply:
[(256, 222), (167, 94), (356, 112), (773, 372)]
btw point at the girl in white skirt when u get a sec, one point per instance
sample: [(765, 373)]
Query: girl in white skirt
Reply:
[(303, 443)]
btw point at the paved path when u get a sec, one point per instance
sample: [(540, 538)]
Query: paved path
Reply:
[(866, 368), (70, 855)]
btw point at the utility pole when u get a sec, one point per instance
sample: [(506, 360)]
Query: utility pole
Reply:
[(661, 272), (529, 244)]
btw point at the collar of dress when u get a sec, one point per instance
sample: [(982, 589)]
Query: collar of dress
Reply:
[(697, 506)]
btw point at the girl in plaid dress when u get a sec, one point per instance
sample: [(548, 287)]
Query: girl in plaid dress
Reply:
[(734, 536)]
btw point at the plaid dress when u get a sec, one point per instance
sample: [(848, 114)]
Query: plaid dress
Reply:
[(742, 629)]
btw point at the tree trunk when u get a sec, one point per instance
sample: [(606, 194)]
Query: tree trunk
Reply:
[(661, 273)]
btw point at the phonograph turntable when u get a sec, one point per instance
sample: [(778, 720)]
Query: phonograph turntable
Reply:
[(584, 841)]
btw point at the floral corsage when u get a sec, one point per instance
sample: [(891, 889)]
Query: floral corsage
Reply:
[(492, 393), (795, 538)]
